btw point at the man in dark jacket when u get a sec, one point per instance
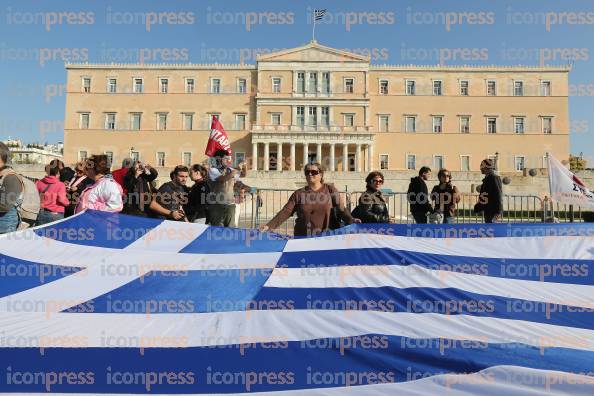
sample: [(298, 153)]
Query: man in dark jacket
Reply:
[(418, 196), (490, 201), (171, 197)]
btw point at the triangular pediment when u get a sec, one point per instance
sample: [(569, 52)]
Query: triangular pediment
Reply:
[(313, 52)]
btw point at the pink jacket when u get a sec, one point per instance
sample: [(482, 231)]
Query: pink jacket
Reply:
[(54, 194), (105, 195)]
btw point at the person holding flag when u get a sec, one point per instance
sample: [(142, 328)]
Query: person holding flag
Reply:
[(221, 177)]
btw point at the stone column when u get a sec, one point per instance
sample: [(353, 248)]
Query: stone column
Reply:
[(305, 153), (266, 156), (279, 156), (292, 156), (332, 162), (255, 156), (345, 157), (358, 157), (369, 157), (319, 153)]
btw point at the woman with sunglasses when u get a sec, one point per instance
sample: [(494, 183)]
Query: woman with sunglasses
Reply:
[(79, 182), (373, 207), (445, 197), (313, 205)]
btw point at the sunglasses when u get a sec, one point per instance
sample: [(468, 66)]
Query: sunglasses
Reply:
[(312, 173), (378, 181)]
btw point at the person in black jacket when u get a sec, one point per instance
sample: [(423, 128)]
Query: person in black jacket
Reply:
[(418, 196), (137, 184), (197, 208), (490, 201), (372, 207)]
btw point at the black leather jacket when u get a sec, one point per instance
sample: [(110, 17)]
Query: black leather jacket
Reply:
[(372, 208)]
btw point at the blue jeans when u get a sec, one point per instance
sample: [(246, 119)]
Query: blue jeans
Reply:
[(449, 220), (45, 216), (9, 221)]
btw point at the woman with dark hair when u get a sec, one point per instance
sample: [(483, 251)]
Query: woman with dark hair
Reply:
[(104, 194), (445, 197), (52, 194), (197, 209), (137, 184), (373, 207), (77, 184), (313, 204)]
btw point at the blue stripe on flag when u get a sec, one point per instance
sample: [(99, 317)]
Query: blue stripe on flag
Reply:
[(18, 275), (235, 240), (269, 366), (545, 270), (102, 229)]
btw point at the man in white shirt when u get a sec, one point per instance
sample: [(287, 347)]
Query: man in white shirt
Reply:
[(221, 198)]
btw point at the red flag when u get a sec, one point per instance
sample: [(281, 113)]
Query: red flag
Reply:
[(218, 139)]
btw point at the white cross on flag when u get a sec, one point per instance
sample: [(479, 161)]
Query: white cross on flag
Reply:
[(567, 187)]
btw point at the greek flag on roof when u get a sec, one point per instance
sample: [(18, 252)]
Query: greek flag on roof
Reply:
[(110, 304)]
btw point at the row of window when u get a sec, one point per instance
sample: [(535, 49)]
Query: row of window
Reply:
[(519, 124), (161, 121), (160, 160), (310, 85), (189, 83), (440, 163)]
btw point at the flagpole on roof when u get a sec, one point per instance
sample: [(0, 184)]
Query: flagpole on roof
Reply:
[(313, 30)]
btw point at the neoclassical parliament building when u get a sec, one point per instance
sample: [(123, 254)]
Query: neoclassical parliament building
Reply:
[(319, 103)]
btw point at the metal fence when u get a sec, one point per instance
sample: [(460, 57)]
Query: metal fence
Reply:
[(262, 204)]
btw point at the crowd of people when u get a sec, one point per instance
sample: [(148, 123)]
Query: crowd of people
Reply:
[(217, 192)]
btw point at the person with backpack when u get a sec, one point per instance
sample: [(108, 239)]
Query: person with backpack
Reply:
[(11, 192), (445, 196), (313, 205), (373, 205), (52, 195)]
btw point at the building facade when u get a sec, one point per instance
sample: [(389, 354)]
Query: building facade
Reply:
[(318, 103), (33, 153)]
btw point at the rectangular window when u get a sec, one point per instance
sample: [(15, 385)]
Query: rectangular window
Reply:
[(384, 161), (162, 121), (518, 88), (84, 120), (215, 85), (465, 163), (438, 162), (86, 84), (82, 155), (437, 88), (240, 122), (187, 159), (300, 82), (312, 119), (135, 155), (163, 85), (300, 116), (275, 118), (239, 158), (519, 124), (349, 120), (491, 125), (135, 121), (547, 125), (491, 88), (109, 155), (189, 85), (325, 119), (520, 163), (410, 124), (313, 82), (384, 121), (160, 158), (383, 88), (110, 121), (437, 124), (112, 85), (326, 82), (410, 87), (411, 161), (242, 85), (545, 88), (349, 85), (188, 121), (465, 124), (138, 85), (464, 88), (276, 85)]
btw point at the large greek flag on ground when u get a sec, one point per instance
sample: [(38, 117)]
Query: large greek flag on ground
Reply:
[(105, 303)]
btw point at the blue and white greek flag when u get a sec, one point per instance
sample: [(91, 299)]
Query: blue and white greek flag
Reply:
[(104, 303), (319, 14)]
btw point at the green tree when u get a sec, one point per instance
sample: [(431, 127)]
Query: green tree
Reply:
[(576, 163)]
